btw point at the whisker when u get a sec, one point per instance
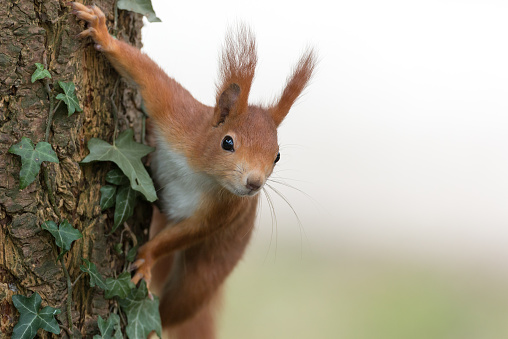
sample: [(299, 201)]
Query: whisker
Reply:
[(274, 217), (284, 178), (314, 201), (300, 224), (239, 169), (278, 170), (258, 212)]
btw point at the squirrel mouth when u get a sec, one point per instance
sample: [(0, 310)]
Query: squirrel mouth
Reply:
[(243, 191), (252, 193)]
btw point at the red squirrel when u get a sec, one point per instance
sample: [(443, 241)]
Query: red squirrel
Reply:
[(210, 163)]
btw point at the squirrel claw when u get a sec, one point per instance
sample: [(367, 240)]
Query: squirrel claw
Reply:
[(137, 277), (135, 265), (96, 21), (142, 272)]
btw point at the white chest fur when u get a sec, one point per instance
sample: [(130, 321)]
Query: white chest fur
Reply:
[(180, 187)]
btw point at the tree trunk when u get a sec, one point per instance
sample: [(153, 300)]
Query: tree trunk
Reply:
[(43, 31)]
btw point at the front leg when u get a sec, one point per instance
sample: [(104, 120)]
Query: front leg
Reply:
[(157, 89), (173, 238)]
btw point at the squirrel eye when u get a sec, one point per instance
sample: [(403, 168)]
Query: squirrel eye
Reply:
[(228, 144), (277, 158)]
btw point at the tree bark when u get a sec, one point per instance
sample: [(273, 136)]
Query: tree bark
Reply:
[(44, 31)]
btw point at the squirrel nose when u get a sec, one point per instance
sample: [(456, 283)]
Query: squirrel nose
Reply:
[(254, 184)]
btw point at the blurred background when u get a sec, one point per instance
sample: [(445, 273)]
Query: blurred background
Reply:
[(394, 163)]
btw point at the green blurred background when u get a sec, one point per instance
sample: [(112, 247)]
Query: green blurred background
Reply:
[(290, 297)]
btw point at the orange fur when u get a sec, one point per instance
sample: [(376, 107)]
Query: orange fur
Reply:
[(201, 236)]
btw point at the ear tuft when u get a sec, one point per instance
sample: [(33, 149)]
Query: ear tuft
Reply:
[(227, 102), (296, 83), (237, 65)]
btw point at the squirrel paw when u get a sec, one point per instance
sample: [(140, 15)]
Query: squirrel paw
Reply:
[(96, 20), (143, 267)]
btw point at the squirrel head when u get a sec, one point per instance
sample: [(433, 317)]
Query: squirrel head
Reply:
[(242, 148)]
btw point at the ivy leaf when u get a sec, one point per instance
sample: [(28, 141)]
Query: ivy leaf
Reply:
[(31, 159), (95, 277), (143, 7), (119, 287), (69, 97), (108, 194), (142, 313), (40, 73), (131, 255), (118, 332), (125, 202), (118, 248), (107, 327), (116, 177), (64, 234), (127, 154), (31, 318)]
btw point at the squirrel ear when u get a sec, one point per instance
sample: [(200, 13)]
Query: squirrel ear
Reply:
[(227, 102), (296, 83)]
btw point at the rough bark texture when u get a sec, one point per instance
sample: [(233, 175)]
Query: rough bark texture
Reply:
[(33, 31)]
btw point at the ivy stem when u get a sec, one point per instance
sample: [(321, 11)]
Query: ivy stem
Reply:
[(133, 236), (56, 108), (126, 247), (122, 318), (75, 281), (114, 109), (69, 295), (66, 330), (51, 109), (49, 187)]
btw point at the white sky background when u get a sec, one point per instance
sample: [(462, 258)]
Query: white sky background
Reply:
[(401, 139)]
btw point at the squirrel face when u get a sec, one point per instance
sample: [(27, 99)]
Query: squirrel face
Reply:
[(243, 152)]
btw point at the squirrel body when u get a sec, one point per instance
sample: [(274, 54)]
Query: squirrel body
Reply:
[(209, 163)]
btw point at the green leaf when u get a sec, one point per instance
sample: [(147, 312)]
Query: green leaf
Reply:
[(118, 248), (108, 194), (31, 318), (118, 332), (95, 277), (131, 255), (143, 7), (125, 202), (142, 313), (64, 234), (116, 177), (107, 327), (69, 97), (127, 154), (40, 73), (31, 159), (120, 287)]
